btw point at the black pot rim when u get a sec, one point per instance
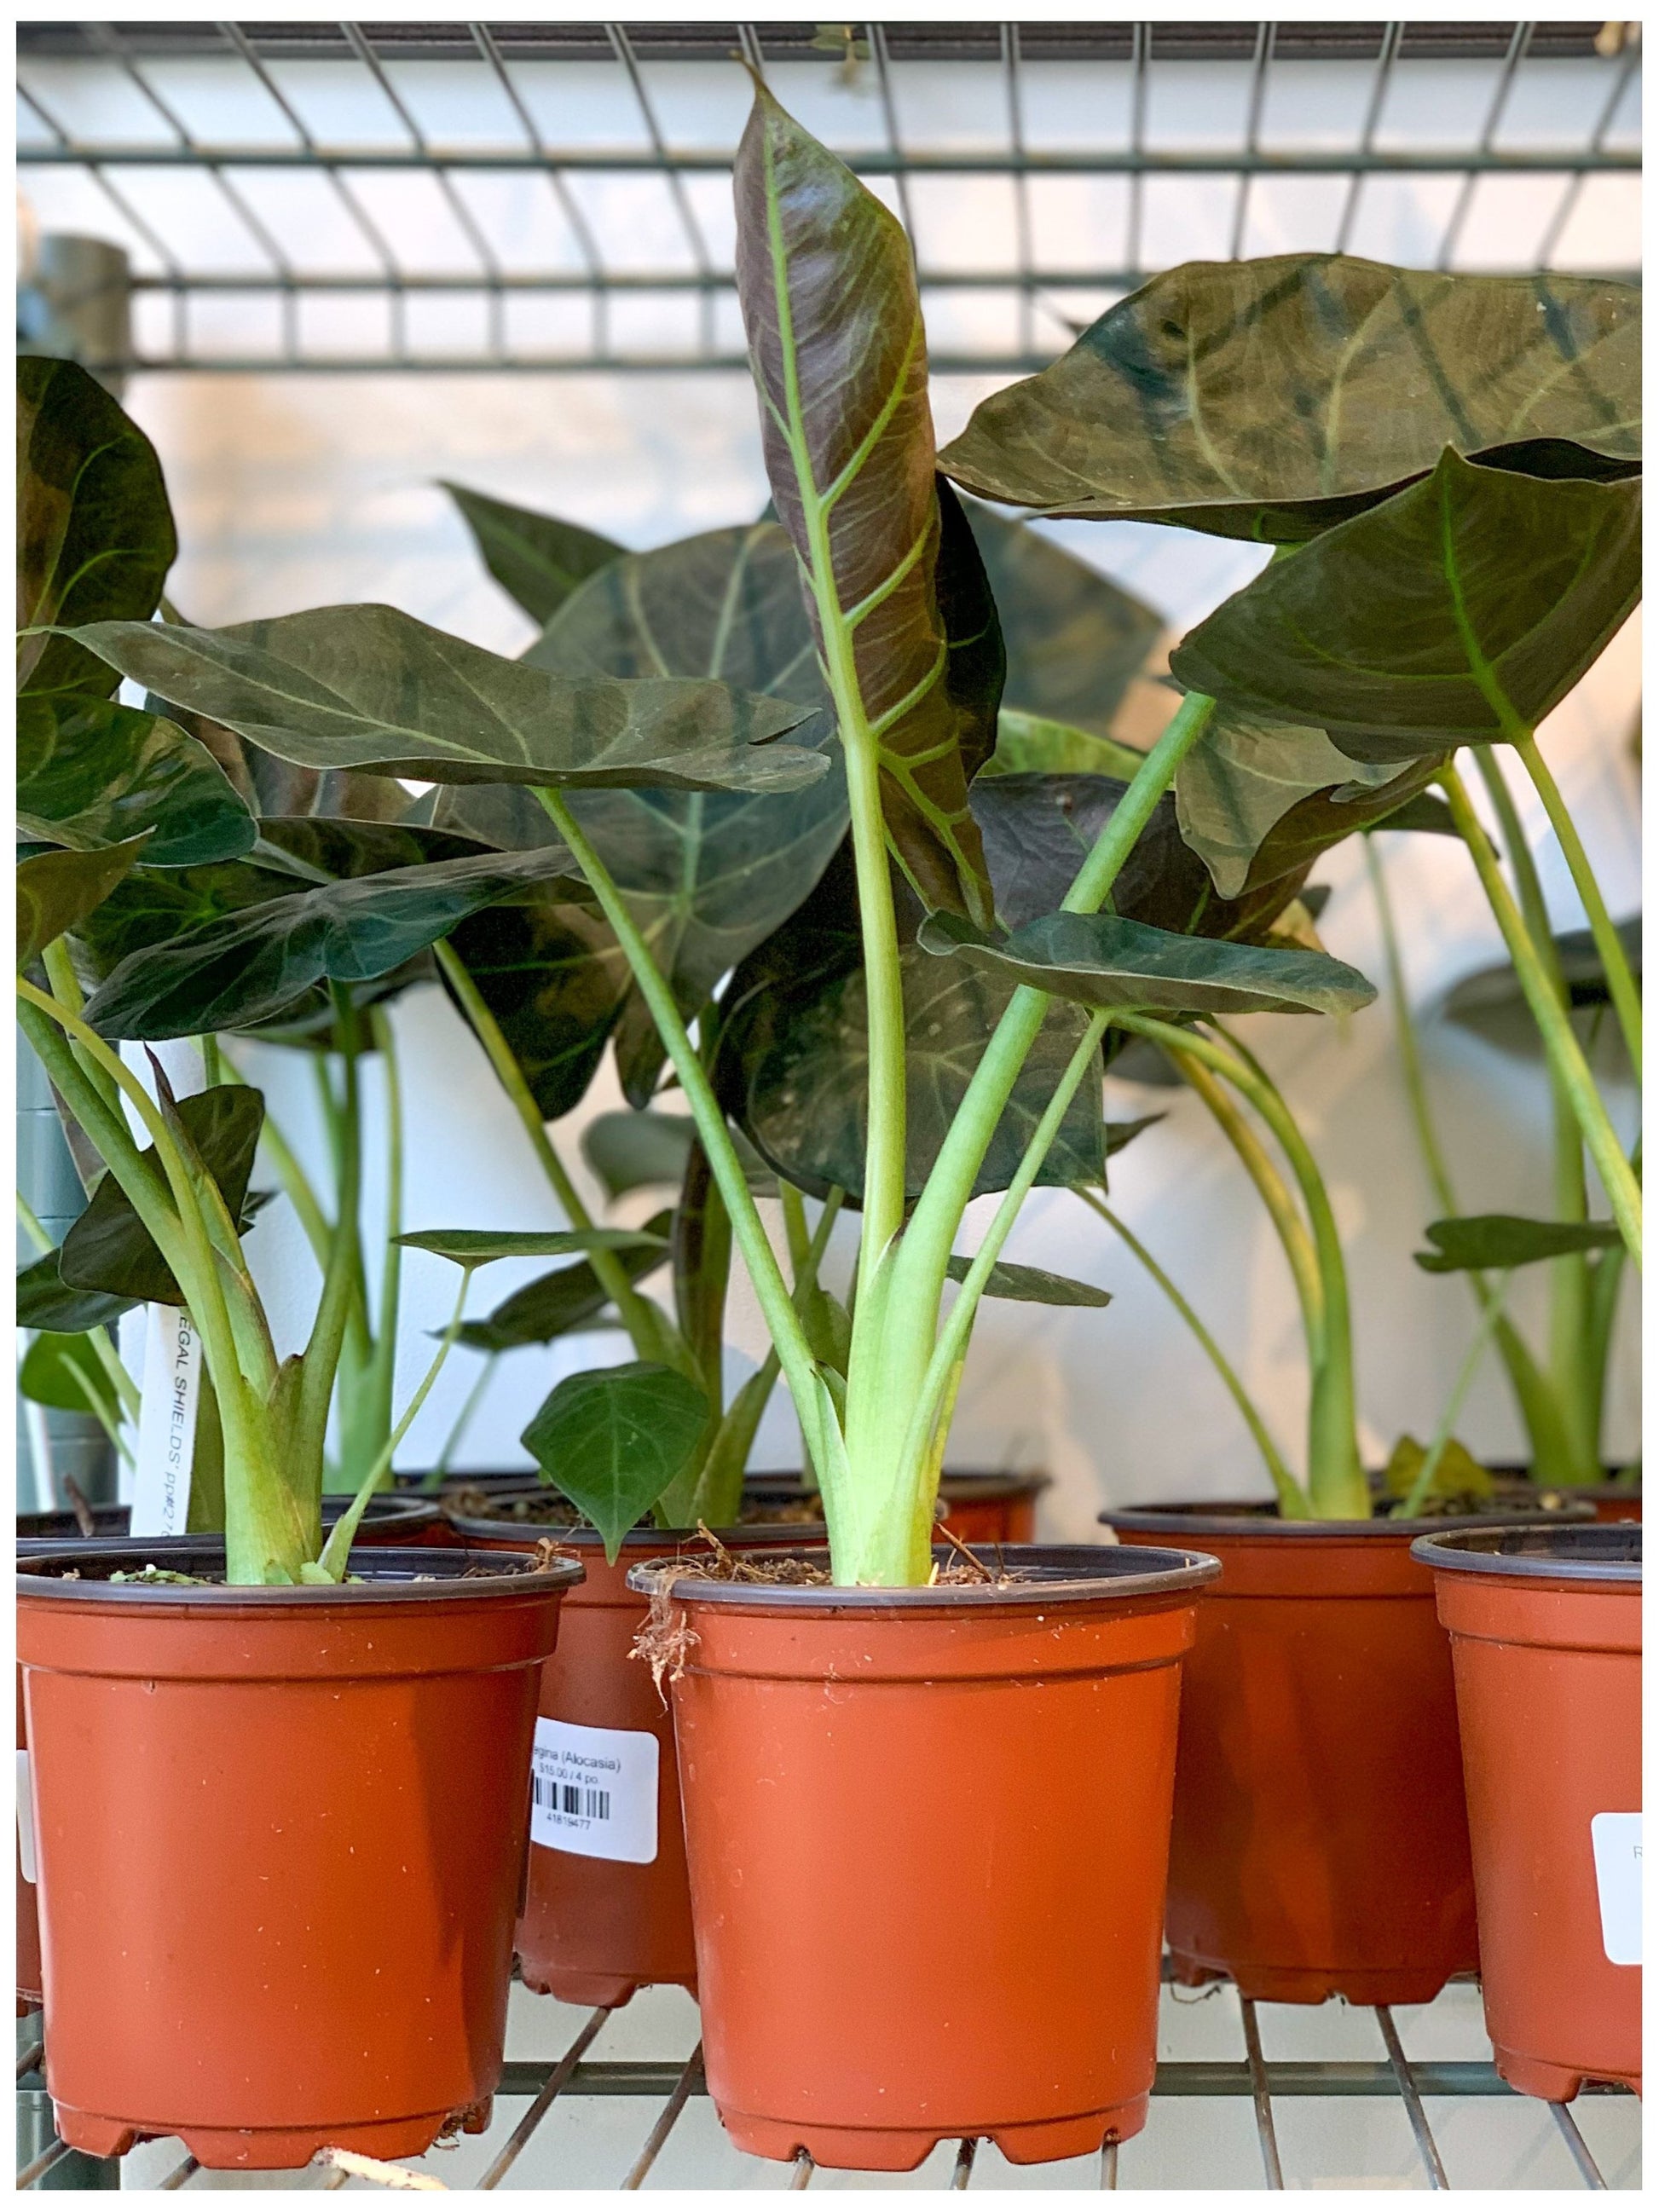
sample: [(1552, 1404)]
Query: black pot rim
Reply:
[(445, 1573), (1592, 1551), (1065, 1574), (386, 1509), (583, 1536), (1260, 1517)]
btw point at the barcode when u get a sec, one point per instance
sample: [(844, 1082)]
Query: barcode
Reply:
[(570, 1799)]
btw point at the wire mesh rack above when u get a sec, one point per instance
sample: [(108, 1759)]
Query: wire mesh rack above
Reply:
[(556, 195)]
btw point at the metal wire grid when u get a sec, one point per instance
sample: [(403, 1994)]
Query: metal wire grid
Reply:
[(134, 49), (671, 2085)]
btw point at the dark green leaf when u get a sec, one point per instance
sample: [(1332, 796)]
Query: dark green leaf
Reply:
[(1258, 800), (90, 772), (1492, 1003), (613, 1439), (626, 1151), (1507, 1240), (269, 787), (1027, 744), (94, 534), (57, 891), (45, 1301), (1427, 810), (1271, 398), (252, 966), (828, 289), (1035, 1285), (569, 1299), (109, 1249), (535, 558), (1075, 641), (828, 1326), (473, 1248), (1458, 612), (65, 1371), (554, 979), (1119, 1133), (1101, 960), (370, 688)]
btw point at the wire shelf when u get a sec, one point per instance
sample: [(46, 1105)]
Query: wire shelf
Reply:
[(563, 202), (524, 2149)]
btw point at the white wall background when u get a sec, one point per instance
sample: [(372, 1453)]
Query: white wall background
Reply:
[(294, 491)]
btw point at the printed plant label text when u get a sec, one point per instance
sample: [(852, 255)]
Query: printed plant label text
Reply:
[(1616, 1840), (593, 1792)]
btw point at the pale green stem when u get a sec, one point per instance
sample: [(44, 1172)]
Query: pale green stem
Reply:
[(66, 989), (639, 1318), (1624, 1192), (336, 1552), (1621, 984), (212, 1062), (386, 1320), (1417, 1497), (343, 1275), (781, 1320), (794, 1226), (1290, 1492)]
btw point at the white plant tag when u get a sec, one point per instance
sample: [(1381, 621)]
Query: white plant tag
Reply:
[(1616, 1840), (593, 1792), (166, 1424), (25, 1818)]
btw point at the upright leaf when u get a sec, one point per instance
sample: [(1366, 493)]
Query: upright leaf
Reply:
[(1030, 1286), (1458, 612), (1272, 399), (91, 773), (109, 1249), (370, 688), (613, 1440), (57, 891), (1509, 1240), (95, 532), (829, 302), (537, 560)]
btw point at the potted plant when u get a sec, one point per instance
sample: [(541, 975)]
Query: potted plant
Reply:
[(1443, 574), (1546, 1627)]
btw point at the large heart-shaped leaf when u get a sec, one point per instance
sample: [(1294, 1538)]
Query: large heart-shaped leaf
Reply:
[(370, 688), (1272, 399), (91, 773), (475, 1248), (109, 1249), (827, 288), (1257, 800), (1509, 1240), (1458, 612), (57, 891), (250, 967), (1103, 960), (537, 560), (1075, 641), (269, 787), (613, 1440), (45, 1300), (568, 1299), (95, 532), (1031, 1286)]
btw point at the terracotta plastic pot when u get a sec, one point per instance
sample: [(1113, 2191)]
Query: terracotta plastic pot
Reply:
[(837, 1748), (1608, 1501), (28, 1918), (980, 1509), (596, 1927), (281, 1838), (1319, 1847), (1546, 1627)]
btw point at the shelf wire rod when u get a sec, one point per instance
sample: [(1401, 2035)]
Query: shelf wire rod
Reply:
[(580, 230), (749, 45), (1141, 35), (542, 2104), (1265, 35), (180, 2174), (1410, 2099), (471, 227), (690, 2077), (173, 276), (1570, 198), (1520, 41), (962, 2172), (1260, 2094), (622, 46), (1025, 250), (1588, 2170), (1109, 2165), (1392, 34), (29, 2057), (878, 36), (376, 241), (38, 2168), (800, 2174)]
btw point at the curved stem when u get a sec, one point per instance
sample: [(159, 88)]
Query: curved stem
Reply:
[(1291, 1497), (383, 1364), (1621, 984), (342, 1278), (66, 989), (1567, 1060)]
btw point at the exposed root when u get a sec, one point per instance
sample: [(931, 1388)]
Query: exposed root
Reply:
[(664, 1638), (376, 2170)]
